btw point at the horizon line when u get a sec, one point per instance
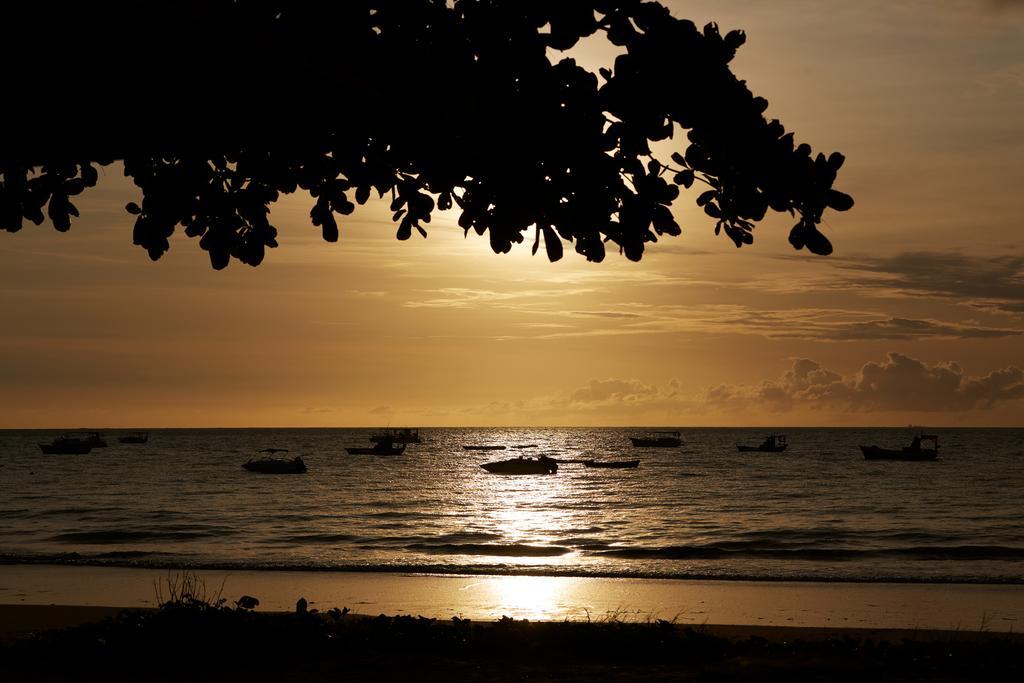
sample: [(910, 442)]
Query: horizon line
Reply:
[(648, 427)]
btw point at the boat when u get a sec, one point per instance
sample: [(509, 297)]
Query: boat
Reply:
[(657, 440), (773, 443), (379, 448), (275, 465), (612, 464), (484, 448), (529, 445), (923, 447), (66, 445), (521, 465), (404, 435), (94, 439), (134, 437)]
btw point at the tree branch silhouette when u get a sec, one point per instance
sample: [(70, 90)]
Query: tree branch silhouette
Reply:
[(217, 107)]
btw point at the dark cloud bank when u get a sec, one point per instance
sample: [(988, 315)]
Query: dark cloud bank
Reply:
[(995, 283), (899, 383)]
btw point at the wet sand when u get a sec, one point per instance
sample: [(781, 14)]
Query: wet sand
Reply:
[(864, 606)]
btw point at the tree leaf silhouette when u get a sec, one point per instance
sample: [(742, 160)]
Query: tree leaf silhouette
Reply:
[(260, 98)]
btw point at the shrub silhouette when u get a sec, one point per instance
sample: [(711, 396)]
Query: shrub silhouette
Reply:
[(217, 107)]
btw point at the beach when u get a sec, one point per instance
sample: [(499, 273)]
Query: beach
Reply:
[(813, 605), (185, 640)]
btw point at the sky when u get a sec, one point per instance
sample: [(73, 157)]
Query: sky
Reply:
[(918, 316)]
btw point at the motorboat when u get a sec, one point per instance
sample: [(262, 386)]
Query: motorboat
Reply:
[(521, 465), (66, 445), (404, 435), (612, 464), (773, 443), (94, 439), (472, 447), (663, 439), (923, 447), (275, 465), (379, 448), (134, 437)]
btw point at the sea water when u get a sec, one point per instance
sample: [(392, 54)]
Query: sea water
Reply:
[(818, 511)]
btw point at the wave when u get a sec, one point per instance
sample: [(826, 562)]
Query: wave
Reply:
[(115, 536), (324, 537), (170, 562), (73, 511), (490, 549), (390, 542), (740, 550), (465, 537), (584, 543), (129, 555), (396, 514)]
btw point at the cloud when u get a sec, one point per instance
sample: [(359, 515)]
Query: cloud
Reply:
[(618, 390), (995, 283), (899, 383), (909, 328), (311, 410), (1000, 5), (604, 314), (836, 325), (575, 310), (816, 324), (380, 410), (464, 297), (1001, 81)]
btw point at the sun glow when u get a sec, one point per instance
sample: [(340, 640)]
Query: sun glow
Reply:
[(527, 597)]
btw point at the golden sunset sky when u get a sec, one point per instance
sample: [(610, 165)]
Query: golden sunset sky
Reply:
[(917, 317)]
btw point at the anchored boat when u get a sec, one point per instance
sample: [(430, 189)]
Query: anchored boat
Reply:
[(773, 443), (134, 437), (612, 464), (275, 465), (923, 447), (521, 465), (657, 440), (66, 445), (379, 448), (390, 436)]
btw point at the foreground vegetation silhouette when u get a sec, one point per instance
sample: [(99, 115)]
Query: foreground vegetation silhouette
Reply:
[(217, 107), (189, 638)]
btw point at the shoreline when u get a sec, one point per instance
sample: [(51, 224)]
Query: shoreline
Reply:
[(552, 571), (883, 605)]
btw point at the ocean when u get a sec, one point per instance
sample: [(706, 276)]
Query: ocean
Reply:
[(817, 512)]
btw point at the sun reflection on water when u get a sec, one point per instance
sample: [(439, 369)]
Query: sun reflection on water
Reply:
[(532, 515)]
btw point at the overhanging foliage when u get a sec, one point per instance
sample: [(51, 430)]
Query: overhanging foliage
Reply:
[(217, 107)]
